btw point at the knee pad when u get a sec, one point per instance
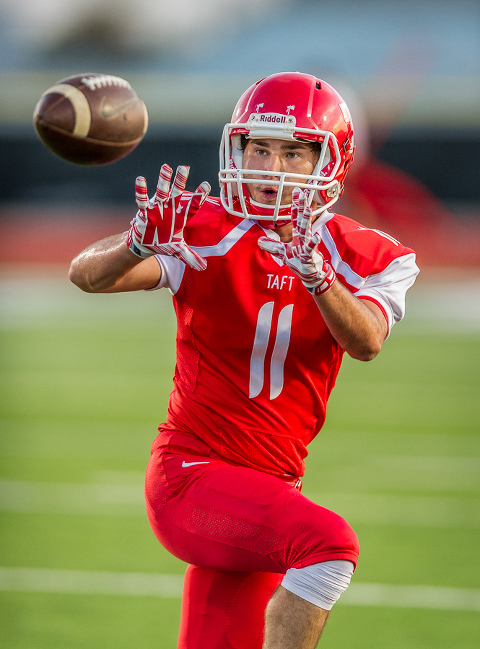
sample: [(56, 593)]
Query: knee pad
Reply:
[(320, 584)]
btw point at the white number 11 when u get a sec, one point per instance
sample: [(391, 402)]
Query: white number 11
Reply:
[(259, 351)]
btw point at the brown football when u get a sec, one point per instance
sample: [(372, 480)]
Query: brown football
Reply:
[(91, 119)]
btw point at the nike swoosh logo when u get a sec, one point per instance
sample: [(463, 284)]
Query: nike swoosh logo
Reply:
[(110, 112), (184, 464)]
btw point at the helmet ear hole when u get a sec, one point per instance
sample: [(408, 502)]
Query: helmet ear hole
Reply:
[(334, 190)]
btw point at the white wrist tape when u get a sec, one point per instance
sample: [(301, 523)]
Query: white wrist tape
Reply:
[(320, 584)]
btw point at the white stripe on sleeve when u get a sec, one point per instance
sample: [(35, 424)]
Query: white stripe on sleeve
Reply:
[(389, 287)]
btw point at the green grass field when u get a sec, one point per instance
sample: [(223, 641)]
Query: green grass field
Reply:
[(85, 382)]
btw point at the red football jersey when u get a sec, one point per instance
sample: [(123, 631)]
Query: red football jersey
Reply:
[(255, 360)]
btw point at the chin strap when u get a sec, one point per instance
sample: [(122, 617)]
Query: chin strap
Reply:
[(255, 210), (273, 225)]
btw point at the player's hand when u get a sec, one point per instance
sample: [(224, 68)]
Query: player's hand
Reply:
[(158, 225), (301, 255)]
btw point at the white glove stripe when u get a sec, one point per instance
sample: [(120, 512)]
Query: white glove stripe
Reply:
[(180, 180), (141, 195), (163, 185)]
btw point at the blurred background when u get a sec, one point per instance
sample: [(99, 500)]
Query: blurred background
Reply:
[(400, 453), (409, 71)]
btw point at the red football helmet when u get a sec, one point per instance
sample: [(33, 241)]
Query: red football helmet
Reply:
[(287, 106)]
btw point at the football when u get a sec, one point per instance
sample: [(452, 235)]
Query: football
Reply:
[(91, 119)]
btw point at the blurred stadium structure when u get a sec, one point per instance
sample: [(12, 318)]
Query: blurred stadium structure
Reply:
[(409, 71)]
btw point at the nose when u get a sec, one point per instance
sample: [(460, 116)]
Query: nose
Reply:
[(273, 164)]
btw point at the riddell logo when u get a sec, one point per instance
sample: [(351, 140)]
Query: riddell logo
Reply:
[(260, 122), (272, 118)]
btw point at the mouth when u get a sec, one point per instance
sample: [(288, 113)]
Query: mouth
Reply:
[(266, 194)]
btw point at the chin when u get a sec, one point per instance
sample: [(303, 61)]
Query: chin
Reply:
[(265, 200)]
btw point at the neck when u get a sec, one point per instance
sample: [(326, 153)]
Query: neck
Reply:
[(284, 232)]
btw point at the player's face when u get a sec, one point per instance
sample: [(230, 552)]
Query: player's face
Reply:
[(277, 156)]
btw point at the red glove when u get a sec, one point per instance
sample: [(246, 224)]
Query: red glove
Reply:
[(158, 225), (302, 255)]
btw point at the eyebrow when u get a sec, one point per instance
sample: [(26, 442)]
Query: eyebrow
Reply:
[(293, 145)]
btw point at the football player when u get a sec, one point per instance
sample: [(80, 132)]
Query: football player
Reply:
[(270, 288)]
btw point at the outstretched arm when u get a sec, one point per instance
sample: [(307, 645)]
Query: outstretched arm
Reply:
[(108, 266), (125, 262), (358, 326)]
